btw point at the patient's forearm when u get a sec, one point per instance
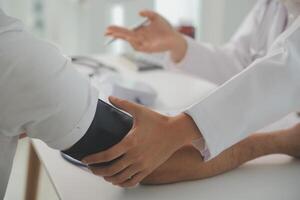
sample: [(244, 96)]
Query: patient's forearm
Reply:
[(186, 164)]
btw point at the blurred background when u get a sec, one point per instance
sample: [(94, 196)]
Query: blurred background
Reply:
[(77, 26)]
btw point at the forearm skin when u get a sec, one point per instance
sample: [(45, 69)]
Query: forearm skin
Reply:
[(186, 164)]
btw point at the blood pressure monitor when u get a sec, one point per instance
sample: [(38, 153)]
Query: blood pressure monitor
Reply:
[(108, 128)]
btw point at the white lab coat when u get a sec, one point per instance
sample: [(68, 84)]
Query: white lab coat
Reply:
[(258, 72), (40, 94)]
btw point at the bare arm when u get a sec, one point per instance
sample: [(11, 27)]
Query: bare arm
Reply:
[(186, 164), (155, 151)]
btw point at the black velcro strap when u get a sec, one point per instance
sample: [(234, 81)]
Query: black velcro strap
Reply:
[(108, 128)]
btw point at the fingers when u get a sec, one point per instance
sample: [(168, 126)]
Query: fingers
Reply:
[(123, 176), (136, 179), (141, 46), (149, 14), (111, 170), (112, 153), (122, 33), (135, 42), (120, 30), (137, 38), (123, 37), (131, 108)]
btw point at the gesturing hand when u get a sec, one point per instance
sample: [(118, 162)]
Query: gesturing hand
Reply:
[(151, 141), (158, 36)]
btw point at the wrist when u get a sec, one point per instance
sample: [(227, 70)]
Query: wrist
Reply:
[(185, 129), (178, 47)]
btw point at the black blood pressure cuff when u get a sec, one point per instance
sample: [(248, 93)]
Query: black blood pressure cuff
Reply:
[(108, 128)]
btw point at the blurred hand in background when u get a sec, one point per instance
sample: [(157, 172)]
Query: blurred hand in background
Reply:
[(157, 36)]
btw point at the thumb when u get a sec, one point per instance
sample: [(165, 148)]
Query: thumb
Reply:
[(129, 107), (151, 15)]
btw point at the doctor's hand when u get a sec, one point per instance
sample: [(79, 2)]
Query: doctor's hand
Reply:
[(158, 36), (151, 141)]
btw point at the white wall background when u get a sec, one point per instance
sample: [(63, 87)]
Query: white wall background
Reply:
[(220, 18), (179, 10), (78, 25)]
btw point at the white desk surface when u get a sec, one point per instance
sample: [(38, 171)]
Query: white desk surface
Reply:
[(275, 177)]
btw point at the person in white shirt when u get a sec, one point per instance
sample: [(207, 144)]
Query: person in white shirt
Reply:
[(258, 73), (43, 95)]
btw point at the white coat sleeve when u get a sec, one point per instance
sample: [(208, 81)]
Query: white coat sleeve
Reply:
[(266, 91), (218, 64), (41, 93)]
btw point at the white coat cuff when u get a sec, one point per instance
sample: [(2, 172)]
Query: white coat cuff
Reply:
[(81, 127), (210, 148), (202, 147), (186, 61)]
